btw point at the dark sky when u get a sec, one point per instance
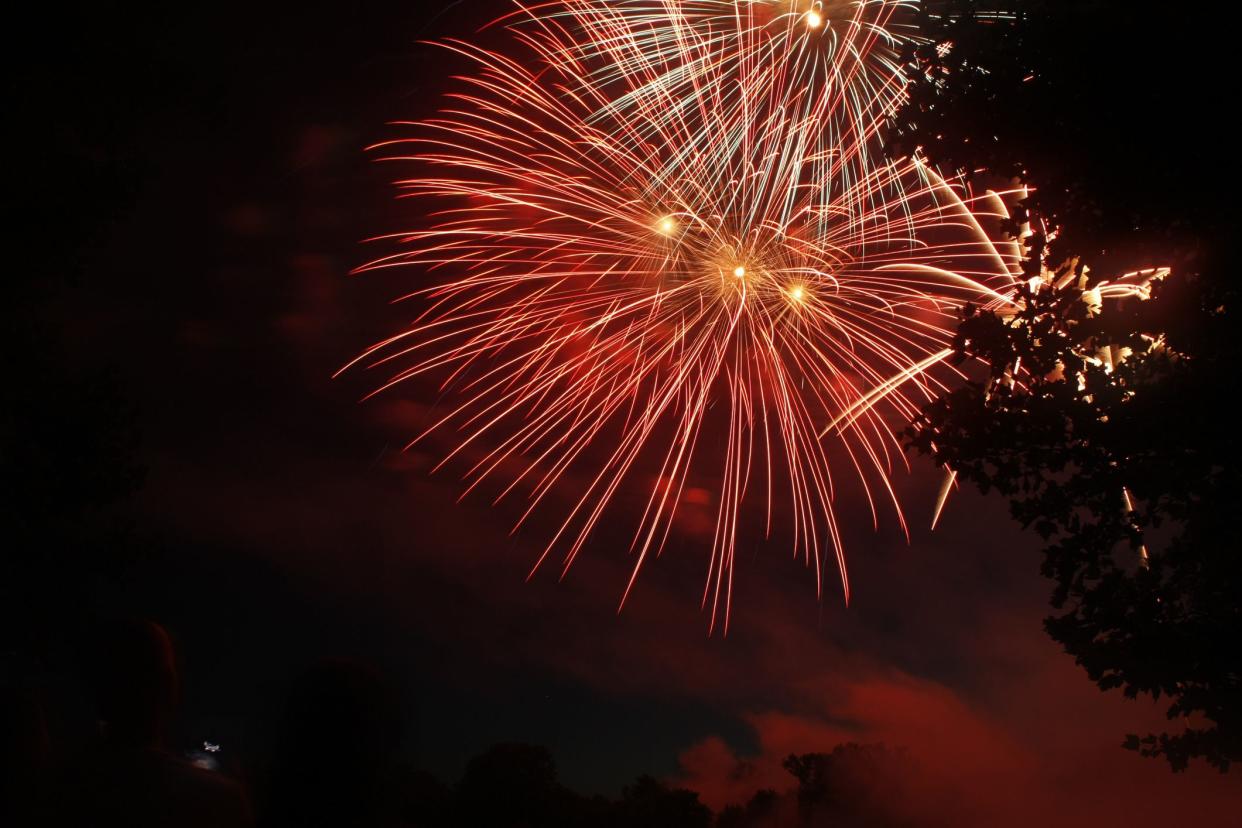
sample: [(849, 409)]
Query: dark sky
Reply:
[(204, 181)]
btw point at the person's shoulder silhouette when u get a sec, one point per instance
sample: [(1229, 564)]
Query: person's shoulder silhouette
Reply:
[(129, 779)]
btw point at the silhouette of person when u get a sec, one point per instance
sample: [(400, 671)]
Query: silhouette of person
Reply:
[(129, 778)]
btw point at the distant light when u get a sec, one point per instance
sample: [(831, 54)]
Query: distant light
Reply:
[(667, 225), (739, 271), (814, 20), (796, 293), (207, 758)]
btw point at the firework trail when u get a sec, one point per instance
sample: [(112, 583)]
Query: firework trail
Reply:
[(643, 242), (824, 75)]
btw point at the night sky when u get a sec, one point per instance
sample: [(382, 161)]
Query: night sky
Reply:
[(206, 173)]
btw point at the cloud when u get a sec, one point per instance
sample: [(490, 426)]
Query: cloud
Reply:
[(1058, 764), (940, 653)]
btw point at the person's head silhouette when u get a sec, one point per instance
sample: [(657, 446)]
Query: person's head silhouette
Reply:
[(135, 682)]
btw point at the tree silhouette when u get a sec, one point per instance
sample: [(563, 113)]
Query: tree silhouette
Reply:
[(1075, 100), (758, 811), (854, 785), (650, 802), (1113, 441), (513, 785), (516, 785), (1147, 588)]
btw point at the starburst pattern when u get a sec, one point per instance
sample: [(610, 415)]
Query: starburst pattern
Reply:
[(655, 221)]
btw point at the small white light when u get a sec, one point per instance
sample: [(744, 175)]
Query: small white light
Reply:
[(739, 271), (814, 20)]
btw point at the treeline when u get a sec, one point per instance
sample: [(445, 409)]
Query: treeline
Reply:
[(517, 785)]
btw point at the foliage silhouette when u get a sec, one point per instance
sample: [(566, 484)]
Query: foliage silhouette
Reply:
[(516, 785), (758, 811), (854, 785), (1132, 400)]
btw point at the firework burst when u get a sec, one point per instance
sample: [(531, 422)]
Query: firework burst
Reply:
[(641, 243), (817, 80)]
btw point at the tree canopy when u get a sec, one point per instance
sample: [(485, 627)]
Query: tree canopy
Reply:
[(1104, 422)]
